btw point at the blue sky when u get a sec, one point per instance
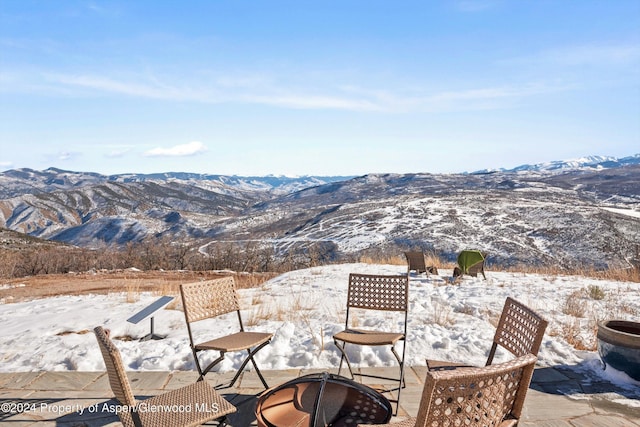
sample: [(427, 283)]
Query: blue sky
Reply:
[(316, 88)]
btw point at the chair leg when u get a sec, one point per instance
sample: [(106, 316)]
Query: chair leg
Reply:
[(249, 357), (244, 363), (197, 362), (401, 363), (401, 381), (401, 385), (209, 367), (255, 365), (343, 356)]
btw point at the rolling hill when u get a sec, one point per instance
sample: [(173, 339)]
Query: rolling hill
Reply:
[(570, 213)]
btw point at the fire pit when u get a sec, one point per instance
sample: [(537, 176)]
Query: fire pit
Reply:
[(619, 346), (319, 400)]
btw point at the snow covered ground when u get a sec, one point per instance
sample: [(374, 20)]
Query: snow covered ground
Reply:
[(305, 308)]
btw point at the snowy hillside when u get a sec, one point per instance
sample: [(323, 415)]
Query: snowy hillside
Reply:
[(569, 217)]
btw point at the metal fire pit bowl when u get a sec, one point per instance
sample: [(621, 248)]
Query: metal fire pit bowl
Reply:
[(321, 400)]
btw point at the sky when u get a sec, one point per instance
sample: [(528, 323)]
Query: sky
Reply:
[(295, 88)]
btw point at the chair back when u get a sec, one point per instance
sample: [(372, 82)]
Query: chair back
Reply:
[(378, 292), (415, 261), (477, 268), (210, 298), (118, 379), (520, 330), (471, 258), (476, 396)]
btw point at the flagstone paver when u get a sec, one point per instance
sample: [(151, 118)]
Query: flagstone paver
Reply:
[(555, 399)]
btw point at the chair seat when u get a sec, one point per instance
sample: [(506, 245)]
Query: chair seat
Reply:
[(235, 342), (444, 365), (201, 402), (364, 337)]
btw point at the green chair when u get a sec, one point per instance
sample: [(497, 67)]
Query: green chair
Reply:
[(471, 262)]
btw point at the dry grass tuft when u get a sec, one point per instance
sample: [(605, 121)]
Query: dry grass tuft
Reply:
[(612, 274), (252, 280), (595, 292), (579, 337), (160, 286), (431, 259), (318, 339), (596, 304), (260, 314), (573, 334), (132, 293), (442, 314), (574, 304), (392, 260), (81, 332)]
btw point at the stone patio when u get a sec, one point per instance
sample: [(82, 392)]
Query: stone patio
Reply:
[(558, 397)]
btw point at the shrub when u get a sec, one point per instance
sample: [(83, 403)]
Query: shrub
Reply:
[(596, 292), (573, 305)]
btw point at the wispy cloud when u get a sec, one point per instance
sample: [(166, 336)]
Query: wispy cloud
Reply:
[(271, 92), (66, 155), (117, 153), (300, 101), (182, 150), (135, 89), (482, 98), (498, 92), (62, 156), (487, 98), (245, 91)]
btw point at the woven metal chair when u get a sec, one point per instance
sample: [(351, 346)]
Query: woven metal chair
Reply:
[(210, 299), (415, 262), (376, 292), (520, 331), (196, 404), (488, 396)]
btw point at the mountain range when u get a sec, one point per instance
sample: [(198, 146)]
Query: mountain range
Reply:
[(590, 162), (568, 213)]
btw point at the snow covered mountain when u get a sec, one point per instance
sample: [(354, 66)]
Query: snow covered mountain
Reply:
[(541, 215), (585, 163), (18, 182)]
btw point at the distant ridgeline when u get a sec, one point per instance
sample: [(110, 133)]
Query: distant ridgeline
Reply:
[(580, 213)]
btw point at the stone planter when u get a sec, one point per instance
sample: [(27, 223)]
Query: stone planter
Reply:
[(619, 346)]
